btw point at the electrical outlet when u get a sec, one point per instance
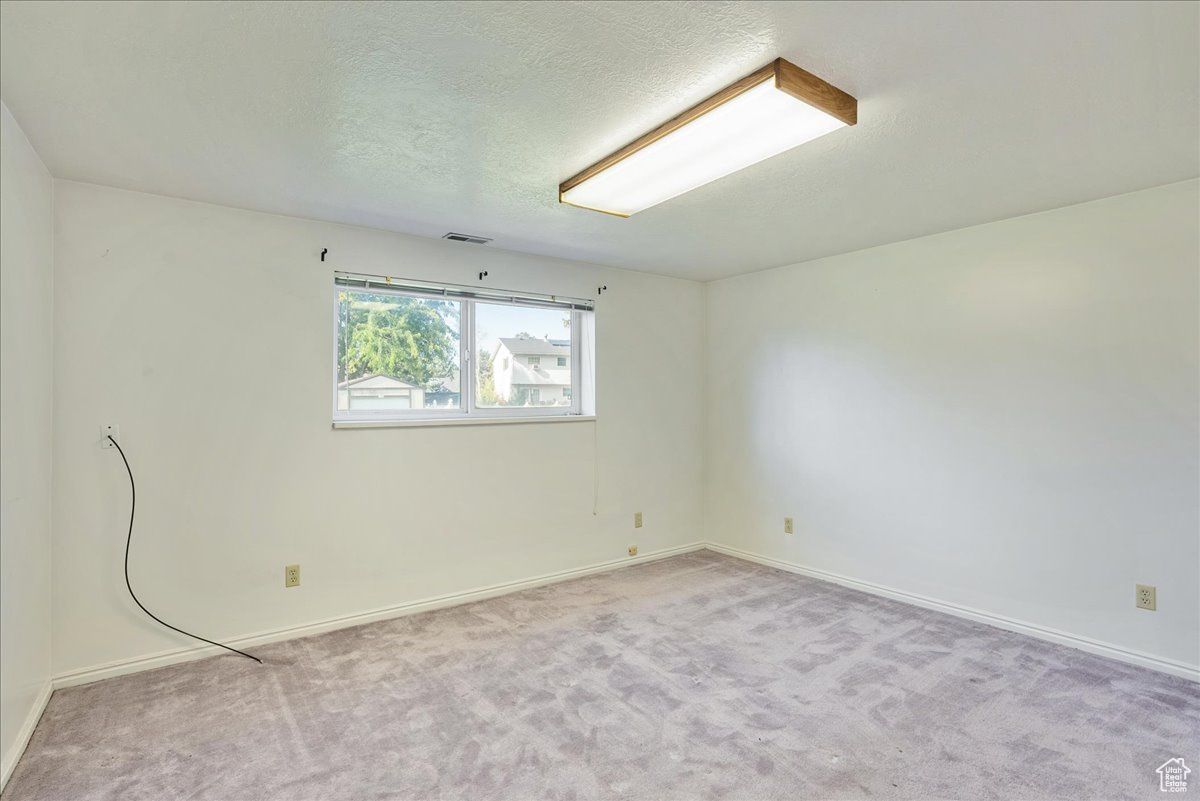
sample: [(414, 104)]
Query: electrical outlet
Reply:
[(788, 528), (291, 576), (637, 519), (633, 550), (1147, 597), (109, 430)]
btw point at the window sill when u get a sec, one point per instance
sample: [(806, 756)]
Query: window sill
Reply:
[(465, 421)]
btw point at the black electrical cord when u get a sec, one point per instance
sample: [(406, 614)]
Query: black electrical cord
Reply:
[(129, 538)]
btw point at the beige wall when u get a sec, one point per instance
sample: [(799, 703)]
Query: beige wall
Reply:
[(1003, 418), (165, 304), (26, 400)]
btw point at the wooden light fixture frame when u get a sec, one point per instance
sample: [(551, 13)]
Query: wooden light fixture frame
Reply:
[(797, 82)]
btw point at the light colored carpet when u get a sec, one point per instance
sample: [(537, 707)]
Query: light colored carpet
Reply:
[(699, 676)]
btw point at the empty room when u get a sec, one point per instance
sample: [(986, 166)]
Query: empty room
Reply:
[(653, 401)]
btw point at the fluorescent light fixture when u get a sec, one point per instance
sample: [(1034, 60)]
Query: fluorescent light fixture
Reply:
[(769, 111)]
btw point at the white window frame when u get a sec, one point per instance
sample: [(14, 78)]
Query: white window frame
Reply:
[(467, 411)]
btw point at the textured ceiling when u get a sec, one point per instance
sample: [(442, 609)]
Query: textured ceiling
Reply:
[(432, 117)]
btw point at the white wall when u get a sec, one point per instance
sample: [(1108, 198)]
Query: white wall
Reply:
[(164, 305), (1002, 417), (26, 400)]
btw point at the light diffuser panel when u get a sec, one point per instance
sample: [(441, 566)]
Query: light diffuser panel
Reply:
[(743, 125)]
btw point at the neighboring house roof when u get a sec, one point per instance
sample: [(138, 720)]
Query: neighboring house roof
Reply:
[(449, 383), (375, 382), (522, 346), (535, 376)]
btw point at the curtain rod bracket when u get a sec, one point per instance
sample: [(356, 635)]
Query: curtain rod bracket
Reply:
[(482, 275), (323, 252), (600, 289)]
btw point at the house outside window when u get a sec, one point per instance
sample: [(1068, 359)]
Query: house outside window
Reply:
[(532, 370), (416, 351)]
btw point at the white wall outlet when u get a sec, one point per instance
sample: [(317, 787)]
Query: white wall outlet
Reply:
[(788, 527), (109, 430), (633, 550), (291, 576), (1147, 597), (637, 519)]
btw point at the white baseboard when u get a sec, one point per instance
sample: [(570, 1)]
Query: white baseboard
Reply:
[(175, 656), (13, 755), (1109, 650), (162, 659)]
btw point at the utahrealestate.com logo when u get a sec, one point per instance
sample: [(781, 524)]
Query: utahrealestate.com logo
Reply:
[(1172, 776)]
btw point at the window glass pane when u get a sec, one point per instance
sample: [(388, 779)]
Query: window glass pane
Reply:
[(397, 352), (523, 356)]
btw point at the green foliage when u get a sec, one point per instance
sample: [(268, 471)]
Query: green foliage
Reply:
[(410, 339), (487, 380)]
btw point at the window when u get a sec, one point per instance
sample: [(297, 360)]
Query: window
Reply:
[(397, 352), (415, 351), (510, 341)]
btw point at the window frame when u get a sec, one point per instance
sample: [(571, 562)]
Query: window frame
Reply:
[(499, 412), (346, 415), (467, 409)]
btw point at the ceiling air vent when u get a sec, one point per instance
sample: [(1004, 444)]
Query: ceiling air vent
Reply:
[(474, 240)]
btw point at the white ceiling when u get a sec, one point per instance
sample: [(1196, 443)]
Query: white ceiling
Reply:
[(432, 117)]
